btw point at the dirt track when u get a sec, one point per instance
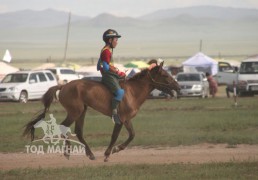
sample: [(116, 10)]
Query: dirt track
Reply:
[(203, 153)]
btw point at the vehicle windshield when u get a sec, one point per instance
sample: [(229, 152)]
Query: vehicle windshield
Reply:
[(249, 68), (15, 78), (188, 77)]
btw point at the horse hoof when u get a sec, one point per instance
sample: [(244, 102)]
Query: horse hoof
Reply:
[(106, 159), (115, 150), (67, 156), (92, 157)]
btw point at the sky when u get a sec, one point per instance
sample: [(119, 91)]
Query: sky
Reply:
[(132, 8)]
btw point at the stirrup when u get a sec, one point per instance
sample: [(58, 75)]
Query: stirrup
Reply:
[(115, 118)]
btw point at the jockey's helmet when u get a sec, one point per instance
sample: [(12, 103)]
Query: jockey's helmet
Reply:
[(110, 33)]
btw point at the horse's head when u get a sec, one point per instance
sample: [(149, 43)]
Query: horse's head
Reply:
[(162, 80)]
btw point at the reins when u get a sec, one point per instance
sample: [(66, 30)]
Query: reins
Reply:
[(159, 84)]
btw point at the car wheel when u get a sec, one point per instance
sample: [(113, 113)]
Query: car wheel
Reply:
[(206, 93), (203, 95), (23, 97)]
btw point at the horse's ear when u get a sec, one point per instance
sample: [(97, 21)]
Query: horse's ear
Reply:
[(161, 66)]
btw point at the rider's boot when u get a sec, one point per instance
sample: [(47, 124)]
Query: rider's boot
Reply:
[(115, 117)]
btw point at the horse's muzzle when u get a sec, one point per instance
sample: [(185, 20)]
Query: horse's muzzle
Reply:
[(174, 87)]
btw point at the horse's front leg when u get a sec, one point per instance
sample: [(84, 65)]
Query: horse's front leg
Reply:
[(67, 147), (129, 127), (116, 131)]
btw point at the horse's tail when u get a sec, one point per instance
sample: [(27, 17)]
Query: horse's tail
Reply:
[(47, 99)]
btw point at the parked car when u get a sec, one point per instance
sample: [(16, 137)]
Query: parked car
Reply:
[(64, 75), (26, 85), (158, 94), (93, 77), (246, 78), (225, 73), (193, 84)]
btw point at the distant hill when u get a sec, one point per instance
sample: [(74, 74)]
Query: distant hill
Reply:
[(162, 33), (30, 18), (52, 18), (203, 12), (108, 20)]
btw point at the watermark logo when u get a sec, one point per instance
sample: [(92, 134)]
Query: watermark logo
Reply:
[(55, 136)]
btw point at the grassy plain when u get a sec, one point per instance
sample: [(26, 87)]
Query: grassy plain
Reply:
[(167, 122), (231, 170), (159, 123)]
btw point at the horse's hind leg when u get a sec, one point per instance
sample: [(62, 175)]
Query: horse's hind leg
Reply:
[(129, 127), (79, 133), (116, 131), (67, 122)]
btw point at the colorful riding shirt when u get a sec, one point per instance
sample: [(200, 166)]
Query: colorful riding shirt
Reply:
[(106, 56)]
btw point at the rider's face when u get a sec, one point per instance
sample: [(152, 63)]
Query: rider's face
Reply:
[(114, 42)]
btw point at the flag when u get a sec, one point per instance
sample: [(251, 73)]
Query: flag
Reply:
[(7, 56)]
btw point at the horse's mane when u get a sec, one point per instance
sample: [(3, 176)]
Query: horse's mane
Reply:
[(140, 74)]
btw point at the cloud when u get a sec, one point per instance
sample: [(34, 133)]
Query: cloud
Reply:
[(131, 8), (253, 3), (3, 8)]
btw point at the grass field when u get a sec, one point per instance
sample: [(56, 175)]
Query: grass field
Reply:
[(231, 170), (167, 122), (160, 122)]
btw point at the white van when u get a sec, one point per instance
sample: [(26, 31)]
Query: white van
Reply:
[(226, 73), (26, 85), (64, 75), (247, 78)]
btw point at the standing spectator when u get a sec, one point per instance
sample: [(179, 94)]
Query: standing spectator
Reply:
[(212, 84)]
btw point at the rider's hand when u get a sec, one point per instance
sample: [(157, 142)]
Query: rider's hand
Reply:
[(121, 74)]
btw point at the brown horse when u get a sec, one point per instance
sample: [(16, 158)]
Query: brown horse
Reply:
[(77, 95)]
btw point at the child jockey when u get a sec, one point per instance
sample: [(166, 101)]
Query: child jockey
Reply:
[(110, 74)]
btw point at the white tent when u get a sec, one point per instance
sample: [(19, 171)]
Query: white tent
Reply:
[(6, 69), (44, 66), (201, 62), (88, 70), (92, 70)]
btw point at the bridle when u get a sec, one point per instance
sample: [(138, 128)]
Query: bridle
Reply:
[(159, 84)]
